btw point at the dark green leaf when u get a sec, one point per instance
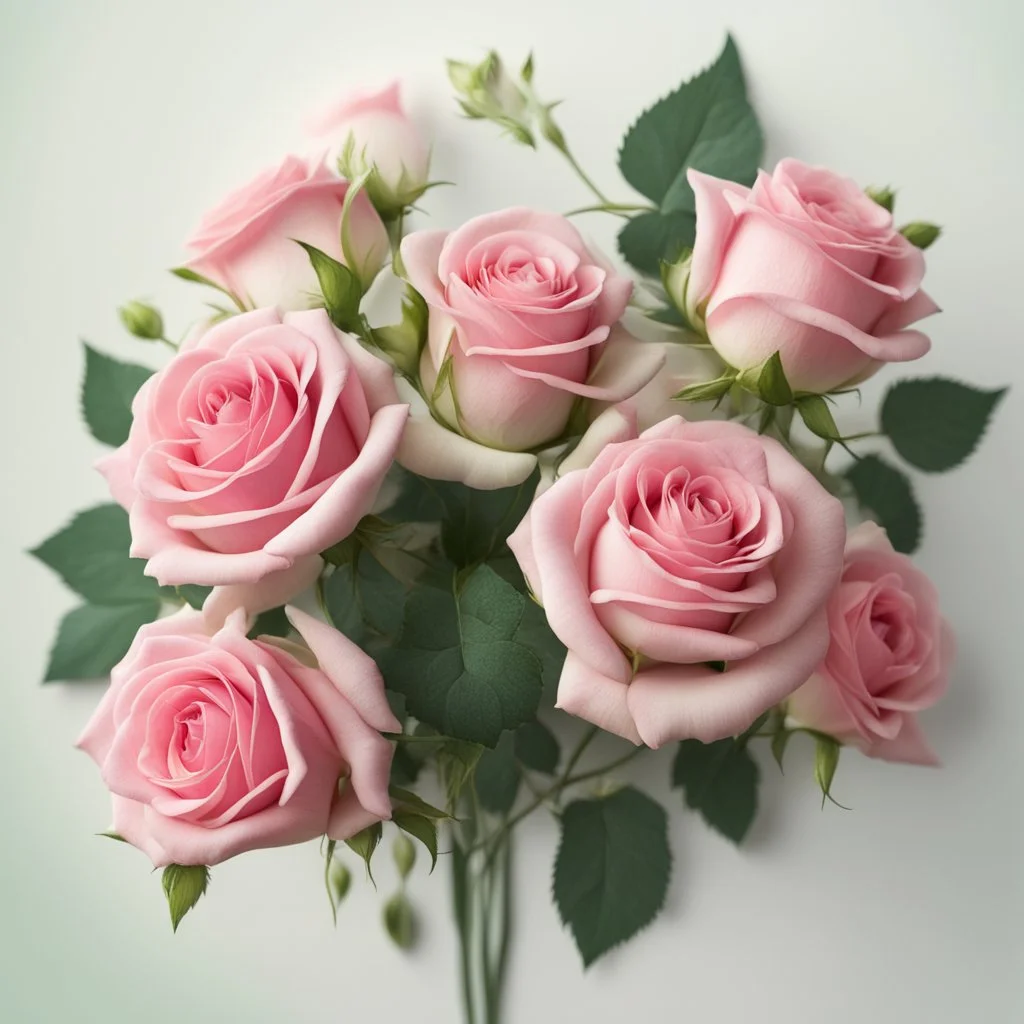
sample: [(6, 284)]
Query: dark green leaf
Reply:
[(701, 124), (399, 921), (107, 392), (537, 748), (935, 423), (886, 492), (667, 315), (183, 885), (460, 662), (406, 800), (363, 599), (421, 828), (92, 639), (650, 239), (497, 776), (91, 556), (535, 633), (340, 288), (612, 869), (720, 780), (273, 622)]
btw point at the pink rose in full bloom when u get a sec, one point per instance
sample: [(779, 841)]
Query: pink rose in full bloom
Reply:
[(807, 265), (262, 443), (890, 654), (524, 324), (694, 545), (373, 131), (247, 244), (213, 745)]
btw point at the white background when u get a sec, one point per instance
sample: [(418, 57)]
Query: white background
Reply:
[(123, 120)]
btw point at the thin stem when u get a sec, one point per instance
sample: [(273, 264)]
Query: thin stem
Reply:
[(604, 769), (619, 209), (588, 737), (583, 176)]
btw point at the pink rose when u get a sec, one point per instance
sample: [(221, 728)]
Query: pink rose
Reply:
[(248, 243), (807, 265), (216, 745), (524, 322), (259, 445), (373, 131), (890, 654), (693, 545)]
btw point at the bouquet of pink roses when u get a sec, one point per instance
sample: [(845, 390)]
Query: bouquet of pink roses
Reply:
[(356, 559)]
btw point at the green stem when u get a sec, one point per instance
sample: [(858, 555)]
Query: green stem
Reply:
[(583, 176), (619, 209)]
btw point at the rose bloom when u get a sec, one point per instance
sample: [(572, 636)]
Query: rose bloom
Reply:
[(213, 745), (258, 446), (248, 246), (524, 321), (889, 657), (807, 265), (373, 131), (694, 545)]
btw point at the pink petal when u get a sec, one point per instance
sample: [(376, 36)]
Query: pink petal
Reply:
[(587, 694), (269, 592)]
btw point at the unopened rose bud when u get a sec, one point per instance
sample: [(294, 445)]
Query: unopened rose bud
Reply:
[(142, 320), (920, 233), (487, 91), (885, 197)]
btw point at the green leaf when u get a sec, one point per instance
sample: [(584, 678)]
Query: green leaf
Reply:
[(91, 555), (817, 417), (826, 760), (183, 886), (363, 599), (720, 780), (497, 776), (886, 493), (612, 869), (365, 843), (921, 234), (421, 828), (406, 800), (667, 315), (404, 855), (456, 763), (273, 622), (403, 342), (339, 286), (107, 392), (460, 662), (399, 921), (935, 423), (706, 124), (650, 239), (187, 274), (92, 639), (537, 748), (535, 633), (779, 742)]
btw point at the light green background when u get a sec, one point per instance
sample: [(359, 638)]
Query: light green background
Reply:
[(122, 120)]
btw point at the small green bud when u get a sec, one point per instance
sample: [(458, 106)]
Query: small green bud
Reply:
[(340, 881), (921, 233), (404, 854), (488, 92), (885, 197), (142, 320)]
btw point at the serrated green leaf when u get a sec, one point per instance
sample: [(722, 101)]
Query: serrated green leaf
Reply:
[(661, 145), (536, 634), (887, 494), (536, 747), (363, 599), (400, 921), (339, 286), (612, 869), (184, 884), (720, 781), (497, 776), (459, 662), (91, 555), (92, 639), (935, 423), (421, 828), (108, 388), (650, 239)]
